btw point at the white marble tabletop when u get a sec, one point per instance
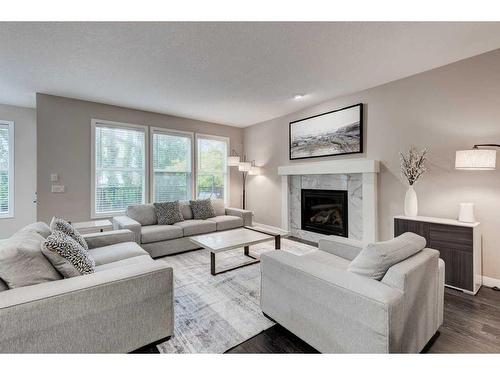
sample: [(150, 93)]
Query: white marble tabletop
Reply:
[(230, 239)]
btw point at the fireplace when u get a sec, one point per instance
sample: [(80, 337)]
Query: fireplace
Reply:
[(324, 211)]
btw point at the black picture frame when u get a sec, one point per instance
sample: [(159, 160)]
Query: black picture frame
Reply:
[(361, 139)]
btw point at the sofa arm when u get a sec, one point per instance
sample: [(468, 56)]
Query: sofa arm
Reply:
[(125, 222), (95, 240), (116, 310), (344, 248), (331, 309), (246, 215)]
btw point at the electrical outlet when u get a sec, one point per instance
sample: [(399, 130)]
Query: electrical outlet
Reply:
[(58, 188)]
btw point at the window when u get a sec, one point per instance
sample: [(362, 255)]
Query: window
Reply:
[(6, 169), (172, 165), (119, 167), (211, 173)]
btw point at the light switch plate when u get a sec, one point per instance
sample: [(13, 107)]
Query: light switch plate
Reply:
[(58, 188), (54, 177)]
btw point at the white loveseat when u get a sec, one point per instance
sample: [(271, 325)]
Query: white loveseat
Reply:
[(161, 240), (337, 311)]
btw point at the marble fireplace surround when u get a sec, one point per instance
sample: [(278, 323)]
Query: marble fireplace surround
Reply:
[(348, 174)]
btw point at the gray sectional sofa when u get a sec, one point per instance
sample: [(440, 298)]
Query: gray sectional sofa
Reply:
[(161, 240), (125, 304)]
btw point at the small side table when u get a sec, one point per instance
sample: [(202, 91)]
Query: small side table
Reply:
[(93, 226), (459, 245)]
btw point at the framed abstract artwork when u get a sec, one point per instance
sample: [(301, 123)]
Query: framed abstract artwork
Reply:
[(337, 132)]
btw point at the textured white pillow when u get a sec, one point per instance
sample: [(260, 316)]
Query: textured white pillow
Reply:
[(62, 225), (67, 255), (376, 258)]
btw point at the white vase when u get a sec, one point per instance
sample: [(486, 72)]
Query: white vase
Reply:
[(411, 202)]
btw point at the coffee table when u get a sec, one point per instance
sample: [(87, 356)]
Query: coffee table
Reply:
[(232, 239)]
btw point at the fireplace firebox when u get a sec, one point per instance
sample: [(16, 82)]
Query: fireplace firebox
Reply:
[(324, 211)]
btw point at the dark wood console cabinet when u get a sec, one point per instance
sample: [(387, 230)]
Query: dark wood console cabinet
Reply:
[(458, 243)]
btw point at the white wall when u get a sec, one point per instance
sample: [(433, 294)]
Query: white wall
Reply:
[(445, 109), (24, 168)]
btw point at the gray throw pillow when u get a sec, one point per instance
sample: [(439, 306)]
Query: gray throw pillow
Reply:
[(22, 262), (202, 209), (40, 227), (168, 213), (219, 207), (67, 255), (62, 225), (376, 258)]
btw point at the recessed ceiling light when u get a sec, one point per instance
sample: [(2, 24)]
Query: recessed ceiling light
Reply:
[(298, 96)]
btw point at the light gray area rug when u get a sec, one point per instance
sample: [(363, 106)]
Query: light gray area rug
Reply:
[(216, 313)]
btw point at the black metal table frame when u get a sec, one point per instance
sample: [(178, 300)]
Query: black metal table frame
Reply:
[(246, 251)]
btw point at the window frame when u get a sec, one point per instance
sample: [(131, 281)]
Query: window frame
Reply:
[(227, 174), (118, 125), (10, 126), (191, 135)]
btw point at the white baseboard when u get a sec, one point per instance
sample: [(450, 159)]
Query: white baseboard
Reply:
[(279, 230), (490, 281)]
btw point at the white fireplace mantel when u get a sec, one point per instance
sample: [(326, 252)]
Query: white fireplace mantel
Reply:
[(367, 168)]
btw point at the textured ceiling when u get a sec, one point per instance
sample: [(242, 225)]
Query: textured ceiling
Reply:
[(231, 73)]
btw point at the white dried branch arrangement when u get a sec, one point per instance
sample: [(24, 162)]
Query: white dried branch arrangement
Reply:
[(413, 164)]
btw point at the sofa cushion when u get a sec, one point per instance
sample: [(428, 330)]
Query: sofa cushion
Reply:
[(116, 252), (322, 257), (22, 262), (67, 255), (39, 227), (219, 207), (124, 263), (376, 258), (226, 222), (155, 233), (187, 213), (62, 225), (168, 213), (192, 227), (144, 214), (202, 209)]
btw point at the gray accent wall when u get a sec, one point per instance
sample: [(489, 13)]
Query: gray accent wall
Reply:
[(445, 109), (24, 168), (64, 147)]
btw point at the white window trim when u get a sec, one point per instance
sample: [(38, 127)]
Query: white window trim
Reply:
[(227, 188), (10, 213), (120, 125), (157, 130)]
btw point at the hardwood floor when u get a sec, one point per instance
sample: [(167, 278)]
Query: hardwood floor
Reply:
[(471, 325)]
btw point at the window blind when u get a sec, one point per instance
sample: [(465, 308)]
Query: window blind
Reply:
[(4, 169), (211, 176), (172, 175), (120, 168)]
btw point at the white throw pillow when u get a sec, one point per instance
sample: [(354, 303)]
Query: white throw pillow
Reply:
[(376, 258)]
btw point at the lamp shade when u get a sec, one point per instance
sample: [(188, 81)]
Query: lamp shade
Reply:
[(244, 166), (233, 161), (254, 171), (476, 160)]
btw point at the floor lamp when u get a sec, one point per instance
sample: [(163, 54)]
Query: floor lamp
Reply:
[(245, 167)]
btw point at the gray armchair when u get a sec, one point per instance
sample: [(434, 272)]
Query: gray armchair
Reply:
[(337, 311)]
